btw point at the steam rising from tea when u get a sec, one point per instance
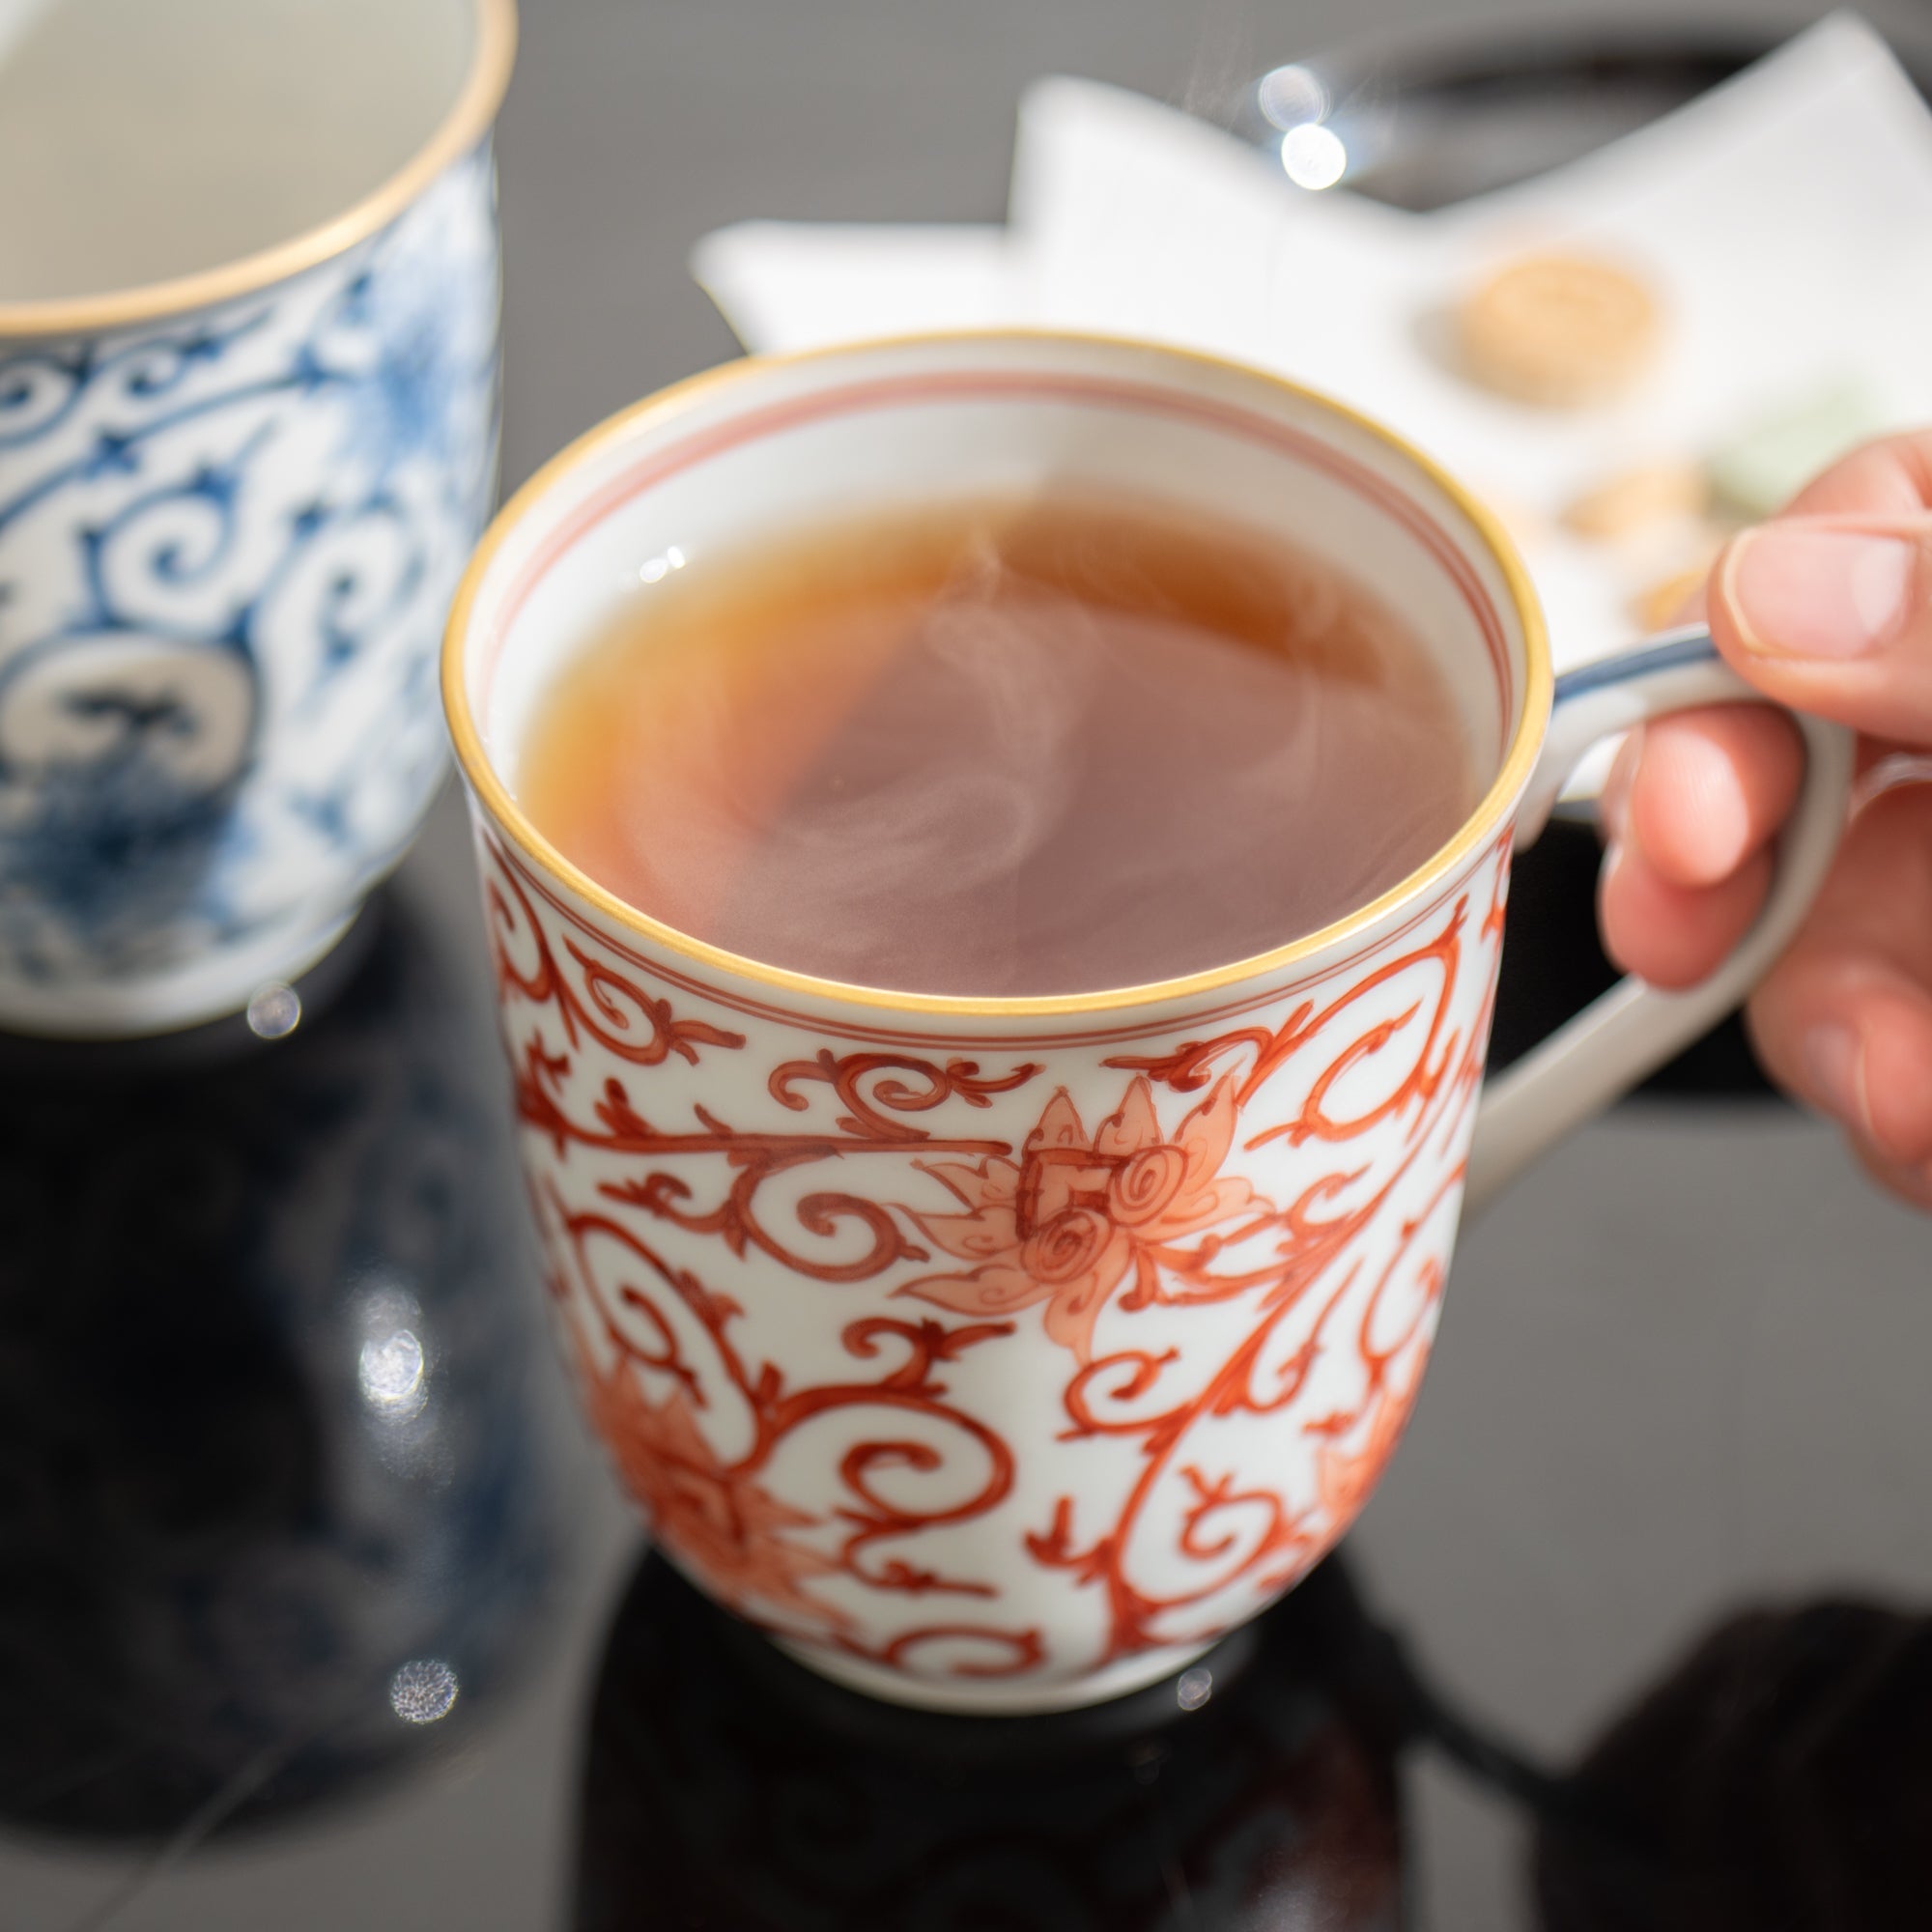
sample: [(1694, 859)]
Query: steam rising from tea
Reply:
[(1000, 749)]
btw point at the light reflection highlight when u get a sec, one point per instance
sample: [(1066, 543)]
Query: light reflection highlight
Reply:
[(392, 1364), (390, 1372), (1290, 94), (1314, 155), (654, 569), (1194, 1689), (274, 1010), (423, 1691)]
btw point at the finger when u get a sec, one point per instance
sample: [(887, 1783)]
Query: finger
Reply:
[(1707, 790), (1844, 1021), (1690, 805), (1912, 1183), (1856, 1043), (1832, 614), (1673, 935), (1891, 477), (1853, 1038)]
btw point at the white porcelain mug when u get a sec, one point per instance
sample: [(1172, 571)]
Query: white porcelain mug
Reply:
[(999, 1354), (248, 304)]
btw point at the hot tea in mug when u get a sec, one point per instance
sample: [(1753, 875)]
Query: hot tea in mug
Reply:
[(1000, 748)]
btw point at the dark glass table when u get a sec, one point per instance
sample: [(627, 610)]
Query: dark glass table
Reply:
[(317, 1609)]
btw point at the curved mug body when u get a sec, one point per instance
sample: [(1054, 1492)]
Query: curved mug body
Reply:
[(994, 1355), (233, 505)]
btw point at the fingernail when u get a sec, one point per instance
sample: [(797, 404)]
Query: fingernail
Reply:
[(1812, 593), (1835, 1071)]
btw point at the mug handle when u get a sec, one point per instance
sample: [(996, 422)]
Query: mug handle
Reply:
[(1620, 1038)]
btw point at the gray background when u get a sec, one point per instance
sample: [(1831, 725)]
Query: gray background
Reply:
[(1681, 1367)]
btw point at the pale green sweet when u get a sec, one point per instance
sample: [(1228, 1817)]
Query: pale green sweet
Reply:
[(1761, 468)]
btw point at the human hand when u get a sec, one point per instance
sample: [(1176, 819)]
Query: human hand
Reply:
[(1827, 609)]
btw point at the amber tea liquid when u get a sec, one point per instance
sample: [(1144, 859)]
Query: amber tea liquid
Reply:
[(1000, 749)]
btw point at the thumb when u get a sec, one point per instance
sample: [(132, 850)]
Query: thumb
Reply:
[(1832, 614)]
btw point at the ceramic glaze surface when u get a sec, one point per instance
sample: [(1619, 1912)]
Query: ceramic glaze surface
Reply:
[(990, 1366), (227, 542)]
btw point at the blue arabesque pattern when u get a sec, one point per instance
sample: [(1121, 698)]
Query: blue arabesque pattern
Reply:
[(227, 542)]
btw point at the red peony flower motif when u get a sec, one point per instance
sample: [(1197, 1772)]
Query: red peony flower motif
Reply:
[(712, 1517), (1079, 1216)]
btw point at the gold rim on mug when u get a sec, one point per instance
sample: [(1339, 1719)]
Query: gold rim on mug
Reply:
[(474, 108), (1475, 832)]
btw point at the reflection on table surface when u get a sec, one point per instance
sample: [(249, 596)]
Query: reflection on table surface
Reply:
[(1779, 1775), (725, 1786), (271, 1514)]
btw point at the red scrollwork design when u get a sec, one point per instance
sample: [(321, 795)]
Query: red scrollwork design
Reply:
[(1499, 881), (602, 1009), (878, 1092), (709, 1514), (1320, 1298), (713, 1509), (1058, 1227), (1346, 1479), (959, 1079), (1023, 1650), (1185, 1070)]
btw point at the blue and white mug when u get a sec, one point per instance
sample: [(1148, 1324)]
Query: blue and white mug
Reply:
[(249, 421)]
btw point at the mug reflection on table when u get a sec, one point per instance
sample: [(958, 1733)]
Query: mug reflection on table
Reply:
[(1000, 1354), (1778, 1774), (722, 1787), (247, 434), (278, 1513)]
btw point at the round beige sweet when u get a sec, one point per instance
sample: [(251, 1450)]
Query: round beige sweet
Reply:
[(1661, 603), (1560, 330)]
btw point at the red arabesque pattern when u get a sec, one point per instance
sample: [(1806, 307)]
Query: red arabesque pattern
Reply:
[(1240, 1264)]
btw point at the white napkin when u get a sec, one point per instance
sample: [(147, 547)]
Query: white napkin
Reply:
[(1132, 217), (789, 285), (1785, 219)]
